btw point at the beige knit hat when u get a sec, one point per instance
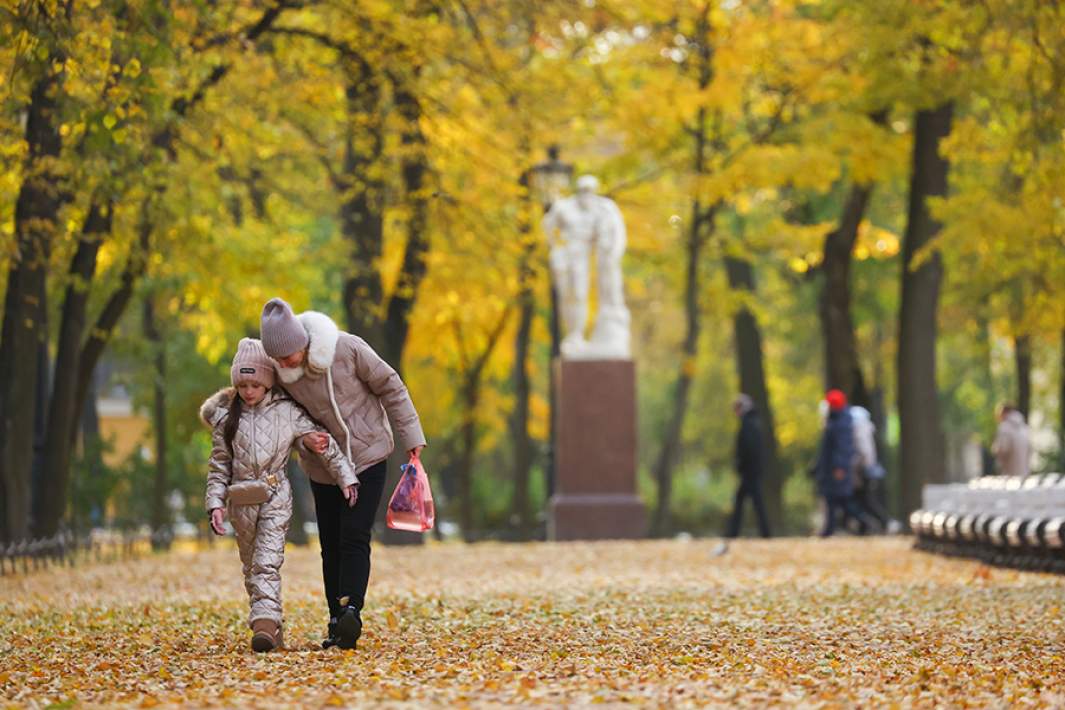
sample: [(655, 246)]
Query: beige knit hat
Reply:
[(252, 364), (281, 331)]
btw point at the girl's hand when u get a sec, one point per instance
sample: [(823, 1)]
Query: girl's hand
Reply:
[(217, 521), (316, 441), (351, 494)]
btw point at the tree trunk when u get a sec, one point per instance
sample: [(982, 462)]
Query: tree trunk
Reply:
[(985, 380), (414, 170), (554, 325), (1022, 358), (40, 198), (116, 304), (91, 444), (1061, 406), (42, 391), (64, 409), (663, 470), (750, 367), (879, 413), (470, 397), (3, 509), (842, 368), (362, 211), (160, 516), (921, 442), (519, 420)]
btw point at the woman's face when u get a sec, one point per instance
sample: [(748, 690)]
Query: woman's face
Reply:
[(251, 392), (293, 360)]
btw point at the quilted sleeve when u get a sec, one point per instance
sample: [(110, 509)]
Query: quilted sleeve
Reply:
[(336, 462), (219, 469), (385, 382)]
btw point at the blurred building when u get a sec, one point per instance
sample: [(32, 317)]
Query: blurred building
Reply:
[(118, 423)]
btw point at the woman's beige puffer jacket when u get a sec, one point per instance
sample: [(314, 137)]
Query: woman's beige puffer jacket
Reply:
[(346, 386), (265, 436)]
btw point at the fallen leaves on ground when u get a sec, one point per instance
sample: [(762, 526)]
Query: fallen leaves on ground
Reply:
[(840, 622)]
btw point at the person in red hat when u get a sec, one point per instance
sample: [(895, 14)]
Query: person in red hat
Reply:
[(837, 401), (834, 463)]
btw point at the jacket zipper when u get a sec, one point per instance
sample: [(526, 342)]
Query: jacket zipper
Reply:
[(254, 441)]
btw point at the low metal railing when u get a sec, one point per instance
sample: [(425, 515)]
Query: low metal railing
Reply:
[(67, 549)]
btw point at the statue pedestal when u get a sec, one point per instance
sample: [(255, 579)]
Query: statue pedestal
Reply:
[(595, 456)]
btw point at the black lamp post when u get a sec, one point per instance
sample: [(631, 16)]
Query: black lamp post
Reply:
[(548, 181)]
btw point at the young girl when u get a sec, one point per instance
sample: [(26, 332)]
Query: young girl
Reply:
[(254, 429)]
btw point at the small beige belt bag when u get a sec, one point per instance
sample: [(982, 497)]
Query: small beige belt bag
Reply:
[(253, 491)]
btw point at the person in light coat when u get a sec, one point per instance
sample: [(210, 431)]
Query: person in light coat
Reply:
[(869, 474), (1011, 448), (254, 428)]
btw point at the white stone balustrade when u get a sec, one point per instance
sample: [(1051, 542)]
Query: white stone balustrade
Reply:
[(1006, 520)]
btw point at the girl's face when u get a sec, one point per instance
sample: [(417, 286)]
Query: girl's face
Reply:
[(251, 392)]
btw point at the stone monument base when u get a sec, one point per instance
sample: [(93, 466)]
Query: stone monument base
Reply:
[(595, 454), (604, 516)]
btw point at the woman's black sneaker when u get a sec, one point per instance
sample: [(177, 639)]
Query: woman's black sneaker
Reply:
[(348, 628)]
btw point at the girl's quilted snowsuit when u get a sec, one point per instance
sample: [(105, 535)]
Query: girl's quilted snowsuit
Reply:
[(265, 436)]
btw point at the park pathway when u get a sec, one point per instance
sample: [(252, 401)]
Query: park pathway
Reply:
[(810, 622)]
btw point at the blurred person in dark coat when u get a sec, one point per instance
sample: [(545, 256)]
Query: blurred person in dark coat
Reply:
[(750, 464)]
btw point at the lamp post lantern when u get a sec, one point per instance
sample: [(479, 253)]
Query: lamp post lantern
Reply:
[(550, 179)]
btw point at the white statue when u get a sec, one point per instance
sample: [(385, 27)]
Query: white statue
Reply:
[(575, 226)]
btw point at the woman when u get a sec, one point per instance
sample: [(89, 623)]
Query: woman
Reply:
[(347, 387)]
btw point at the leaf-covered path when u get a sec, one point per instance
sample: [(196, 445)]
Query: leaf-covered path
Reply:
[(807, 621)]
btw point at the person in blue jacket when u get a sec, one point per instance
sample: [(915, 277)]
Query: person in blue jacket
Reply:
[(835, 464)]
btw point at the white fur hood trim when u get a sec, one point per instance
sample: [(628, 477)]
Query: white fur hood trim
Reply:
[(323, 334), (216, 407)]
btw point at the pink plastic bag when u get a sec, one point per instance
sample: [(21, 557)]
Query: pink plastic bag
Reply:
[(411, 505)]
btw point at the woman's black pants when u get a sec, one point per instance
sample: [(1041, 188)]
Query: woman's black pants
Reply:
[(344, 536)]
